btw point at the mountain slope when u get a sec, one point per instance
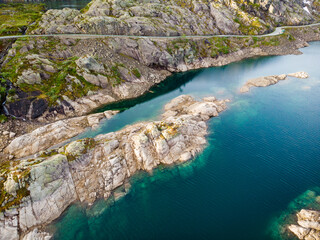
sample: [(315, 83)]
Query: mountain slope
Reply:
[(177, 17)]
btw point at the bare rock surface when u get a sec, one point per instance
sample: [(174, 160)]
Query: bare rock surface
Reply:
[(54, 133), (270, 80), (88, 169), (37, 235), (173, 17), (308, 225)]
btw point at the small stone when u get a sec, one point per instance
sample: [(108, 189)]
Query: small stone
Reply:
[(12, 134), (5, 133)]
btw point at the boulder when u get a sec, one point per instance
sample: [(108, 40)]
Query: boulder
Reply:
[(29, 77), (300, 232), (89, 63)]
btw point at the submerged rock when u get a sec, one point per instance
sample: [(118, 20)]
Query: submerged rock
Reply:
[(89, 169)]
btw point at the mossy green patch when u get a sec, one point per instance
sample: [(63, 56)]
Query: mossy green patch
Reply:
[(3, 118), (16, 17), (136, 72), (20, 176), (64, 80), (80, 147)]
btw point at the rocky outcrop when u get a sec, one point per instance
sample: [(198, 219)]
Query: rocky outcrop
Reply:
[(37, 235), (171, 18), (39, 189), (308, 225), (270, 80), (79, 76), (54, 133)]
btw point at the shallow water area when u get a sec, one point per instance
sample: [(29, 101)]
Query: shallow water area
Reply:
[(262, 153)]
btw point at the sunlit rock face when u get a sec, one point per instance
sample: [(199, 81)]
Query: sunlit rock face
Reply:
[(169, 18)]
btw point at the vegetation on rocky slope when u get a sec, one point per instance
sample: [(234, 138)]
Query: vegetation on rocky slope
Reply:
[(16, 181), (47, 75), (47, 71), (16, 17), (52, 70)]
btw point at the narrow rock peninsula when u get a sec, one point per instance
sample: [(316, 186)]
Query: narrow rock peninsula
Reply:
[(270, 80), (38, 190)]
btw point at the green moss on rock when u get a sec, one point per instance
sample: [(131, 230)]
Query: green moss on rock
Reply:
[(16, 17)]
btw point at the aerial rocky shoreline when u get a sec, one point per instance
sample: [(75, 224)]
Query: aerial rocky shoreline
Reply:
[(95, 72), (56, 82), (56, 78), (38, 189)]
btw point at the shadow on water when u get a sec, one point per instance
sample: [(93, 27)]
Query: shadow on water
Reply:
[(173, 82)]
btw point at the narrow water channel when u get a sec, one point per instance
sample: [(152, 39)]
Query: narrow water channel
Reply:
[(263, 152)]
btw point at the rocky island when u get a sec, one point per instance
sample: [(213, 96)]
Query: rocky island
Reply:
[(270, 80)]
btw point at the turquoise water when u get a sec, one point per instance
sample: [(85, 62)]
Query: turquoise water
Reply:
[(263, 152)]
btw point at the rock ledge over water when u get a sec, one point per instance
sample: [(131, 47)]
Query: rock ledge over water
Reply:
[(38, 190), (308, 225)]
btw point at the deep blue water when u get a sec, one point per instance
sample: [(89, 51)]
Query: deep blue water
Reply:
[(262, 153)]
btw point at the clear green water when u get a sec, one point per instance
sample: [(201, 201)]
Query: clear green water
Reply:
[(263, 152)]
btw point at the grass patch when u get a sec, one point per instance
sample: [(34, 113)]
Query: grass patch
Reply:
[(3, 118), (16, 17), (136, 72)]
